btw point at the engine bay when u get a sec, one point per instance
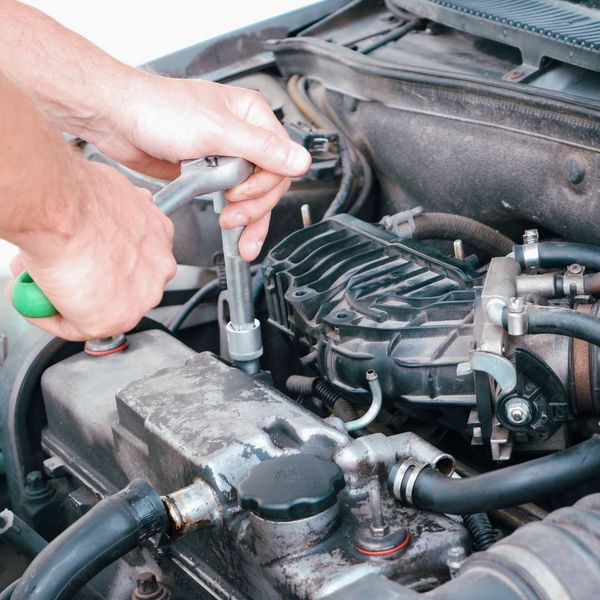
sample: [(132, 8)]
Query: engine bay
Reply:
[(426, 414)]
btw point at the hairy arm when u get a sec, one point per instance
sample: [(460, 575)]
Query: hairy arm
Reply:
[(92, 241), (69, 219), (149, 122)]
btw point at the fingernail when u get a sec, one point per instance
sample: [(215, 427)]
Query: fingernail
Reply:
[(299, 159), (257, 246)]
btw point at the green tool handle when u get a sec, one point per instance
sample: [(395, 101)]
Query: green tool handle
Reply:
[(29, 300)]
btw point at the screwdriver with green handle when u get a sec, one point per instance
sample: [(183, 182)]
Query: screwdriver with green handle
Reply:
[(199, 177)]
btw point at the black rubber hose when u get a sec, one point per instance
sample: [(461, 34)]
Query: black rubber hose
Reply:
[(510, 486), (18, 534), (445, 226), (560, 254), (482, 533), (7, 592), (113, 527), (562, 321), (204, 293), (324, 391), (208, 290)]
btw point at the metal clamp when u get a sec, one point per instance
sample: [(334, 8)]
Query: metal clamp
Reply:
[(404, 492)]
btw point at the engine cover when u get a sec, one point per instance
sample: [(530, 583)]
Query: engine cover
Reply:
[(161, 412), (366, 299)]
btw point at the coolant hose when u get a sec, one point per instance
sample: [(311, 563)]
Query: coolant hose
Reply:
[(551, 255), (518, 484), (445, 226), (562, 321), (113, 527)]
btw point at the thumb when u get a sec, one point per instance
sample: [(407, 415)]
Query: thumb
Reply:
[(17, 265), (275, 153)]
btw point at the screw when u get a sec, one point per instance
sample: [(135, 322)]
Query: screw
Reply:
[(212, 161), (459, 251), (306, 216), (147, 583), (37, 488), (149, 588), (575, 269), (531, 236), (379, 527), (518, 411), (516, 305), (516, 75), (455, 558)]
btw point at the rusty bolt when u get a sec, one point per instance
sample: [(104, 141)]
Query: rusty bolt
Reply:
[(149, 588), (516, 75)]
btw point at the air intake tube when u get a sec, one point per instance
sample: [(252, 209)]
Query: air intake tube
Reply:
[(113, 527)]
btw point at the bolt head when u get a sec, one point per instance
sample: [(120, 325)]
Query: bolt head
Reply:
[(379, 530), (531, 236), (146, 583), (575, 269), (518, 411)]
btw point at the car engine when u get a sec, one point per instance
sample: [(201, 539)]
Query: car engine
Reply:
[(425, 418)]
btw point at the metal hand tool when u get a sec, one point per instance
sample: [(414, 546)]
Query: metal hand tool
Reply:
[(199, 177)]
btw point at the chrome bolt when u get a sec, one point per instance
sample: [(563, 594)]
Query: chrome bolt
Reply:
[(306, 216), (516, 305), (531, 236), (459, 250), (455, 558), (518, 411), (378, 526)]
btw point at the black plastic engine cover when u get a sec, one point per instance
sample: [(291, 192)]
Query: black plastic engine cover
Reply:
[(366, 299)]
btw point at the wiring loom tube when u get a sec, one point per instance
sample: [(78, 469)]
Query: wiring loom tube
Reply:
[(510, 486), (113, 527)]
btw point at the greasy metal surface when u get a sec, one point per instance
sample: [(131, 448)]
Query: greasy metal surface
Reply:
[(79, 396), (207, 420)]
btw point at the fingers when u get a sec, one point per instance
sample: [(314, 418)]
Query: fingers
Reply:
[(17, 266), (267, 150), (253, 238), (246, 212), (257, 185), (59, 327)]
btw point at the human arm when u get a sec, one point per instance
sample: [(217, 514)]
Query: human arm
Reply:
[(149, 122), (68, 216)]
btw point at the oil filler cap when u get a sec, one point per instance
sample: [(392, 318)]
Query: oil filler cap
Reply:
[(288, 488)]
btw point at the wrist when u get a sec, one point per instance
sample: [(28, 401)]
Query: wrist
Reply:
[(61, 214)]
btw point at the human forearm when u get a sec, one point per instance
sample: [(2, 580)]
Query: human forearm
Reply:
[(41, 177), (73, 83)]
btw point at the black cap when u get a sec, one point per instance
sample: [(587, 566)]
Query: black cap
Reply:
[(292, 487)]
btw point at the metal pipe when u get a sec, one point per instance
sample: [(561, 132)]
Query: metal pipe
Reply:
[(375, 407)]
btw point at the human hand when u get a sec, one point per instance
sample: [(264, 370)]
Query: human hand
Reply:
[(157, 122), (112, 268)]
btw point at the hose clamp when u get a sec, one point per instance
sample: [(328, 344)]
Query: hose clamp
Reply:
[(403, 491), (531, 255)]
